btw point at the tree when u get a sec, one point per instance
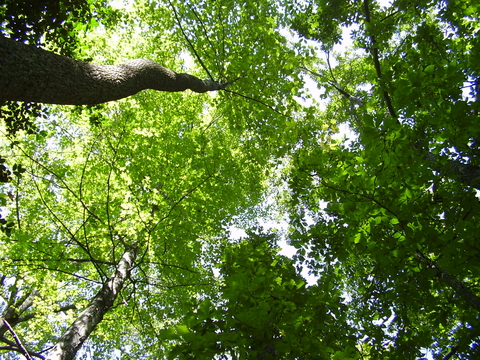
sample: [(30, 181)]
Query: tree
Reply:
[(60, 24), (394, 207), (166, 202), (144, 190), (128, 213), (264, 311)]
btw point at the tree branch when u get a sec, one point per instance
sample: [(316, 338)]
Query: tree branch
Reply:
[(17, 340), (451, 353), (376, 63), (189, 42), (258, 101), (32, 74)]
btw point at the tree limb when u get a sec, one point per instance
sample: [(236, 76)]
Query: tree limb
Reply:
[(451, 353), (376, 63), (17, 340), (32, 74), (458, 286)]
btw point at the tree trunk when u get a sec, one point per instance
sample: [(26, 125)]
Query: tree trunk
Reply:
[(460, 289), (71, 341), (458, 286), (466, 173), (30, 74)]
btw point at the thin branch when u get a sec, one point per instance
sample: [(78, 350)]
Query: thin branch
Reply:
[(176, 285), (68, 273), (114, 148), (204, 28), (330, 68), (260, 102), (87, 218), (376, 63), (12, 347), (17, 340), (59, 221), (390, 15), (370, 198), (451, 353), (334, 83), (103, 262), (189, 42), (17, 204), (64, 183), (171, 265), (183, 197)]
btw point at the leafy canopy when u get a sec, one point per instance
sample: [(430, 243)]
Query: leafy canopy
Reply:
[(387, 220)]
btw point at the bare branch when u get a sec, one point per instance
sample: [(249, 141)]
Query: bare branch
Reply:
[(17, 340), (451, 353), (376, 63)]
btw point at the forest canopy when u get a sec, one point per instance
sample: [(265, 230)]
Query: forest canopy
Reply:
[(349, 131)]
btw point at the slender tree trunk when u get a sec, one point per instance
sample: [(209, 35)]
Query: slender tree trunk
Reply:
[(463, 291), (458, 286), (71, 341), (30, 74), (466, 173)]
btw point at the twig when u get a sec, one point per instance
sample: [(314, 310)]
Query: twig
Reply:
[(188, 40), (17, 340), (260, 102), (376, 63)]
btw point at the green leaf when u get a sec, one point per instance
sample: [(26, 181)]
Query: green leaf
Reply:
[(430, 69)]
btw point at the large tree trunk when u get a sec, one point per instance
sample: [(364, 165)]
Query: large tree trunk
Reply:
[(30, 74), (71, 341)]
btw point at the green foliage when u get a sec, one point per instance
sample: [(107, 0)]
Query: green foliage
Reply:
[(379, 218), (165, 172), (262, 309), (321, 20), (398, 192), (56, 22)]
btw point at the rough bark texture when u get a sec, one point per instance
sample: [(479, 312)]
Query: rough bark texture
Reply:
[(30, 74), (71, 341)]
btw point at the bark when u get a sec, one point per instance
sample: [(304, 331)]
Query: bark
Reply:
[(31, 74), (73, 338)]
